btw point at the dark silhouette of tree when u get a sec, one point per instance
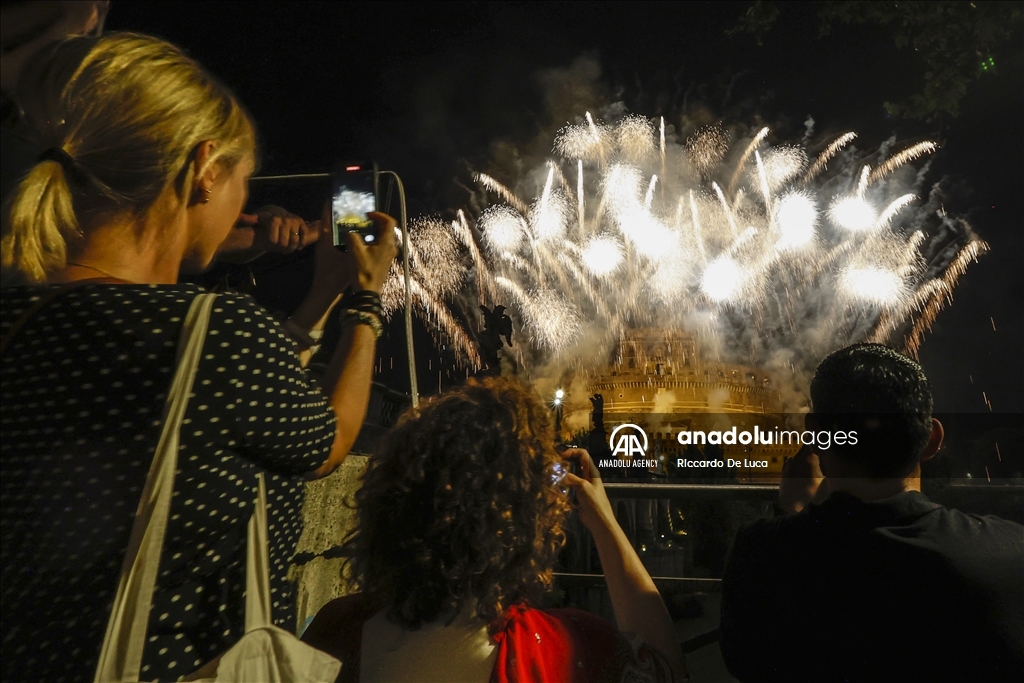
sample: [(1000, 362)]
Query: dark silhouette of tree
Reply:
[(956, 41)]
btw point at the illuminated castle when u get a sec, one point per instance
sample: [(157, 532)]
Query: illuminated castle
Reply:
[(660, 381)]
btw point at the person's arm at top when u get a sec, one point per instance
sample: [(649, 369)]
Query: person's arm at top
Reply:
[(271, 229), (635, 599), (350, 371)]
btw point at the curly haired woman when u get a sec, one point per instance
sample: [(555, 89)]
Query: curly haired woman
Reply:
[(461, 517)]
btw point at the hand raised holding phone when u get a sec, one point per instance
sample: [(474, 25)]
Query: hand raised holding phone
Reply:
[(594, 507), (361, 265)]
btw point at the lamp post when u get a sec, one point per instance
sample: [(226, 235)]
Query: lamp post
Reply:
[(559, 395)]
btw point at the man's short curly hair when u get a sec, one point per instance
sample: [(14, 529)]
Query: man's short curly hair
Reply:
[(458, 507), (883, 396)]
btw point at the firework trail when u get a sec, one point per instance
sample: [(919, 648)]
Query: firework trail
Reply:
[(742, 163), (500, 190), (901, 158), (822, 161), (770, 256)]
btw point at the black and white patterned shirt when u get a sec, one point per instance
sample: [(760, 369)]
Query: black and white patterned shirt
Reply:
[(83, 390)]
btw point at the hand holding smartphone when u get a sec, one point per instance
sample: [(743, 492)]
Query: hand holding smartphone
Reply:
[(353, 198)]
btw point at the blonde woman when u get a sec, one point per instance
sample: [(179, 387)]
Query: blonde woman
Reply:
[(145, 172)]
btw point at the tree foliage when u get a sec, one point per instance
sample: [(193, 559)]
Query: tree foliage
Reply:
[(956, 41)]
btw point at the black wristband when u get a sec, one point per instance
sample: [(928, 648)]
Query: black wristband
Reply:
[(365, 300)]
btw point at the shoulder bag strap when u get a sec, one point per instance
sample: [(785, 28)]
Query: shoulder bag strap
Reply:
[(121, 653), (257, 566)]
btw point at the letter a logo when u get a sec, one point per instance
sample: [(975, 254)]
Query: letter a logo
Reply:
[(628, 445)]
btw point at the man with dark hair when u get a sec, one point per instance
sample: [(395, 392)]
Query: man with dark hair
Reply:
[(869, 580)]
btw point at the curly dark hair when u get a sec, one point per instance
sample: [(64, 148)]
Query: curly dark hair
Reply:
[(459, 506)]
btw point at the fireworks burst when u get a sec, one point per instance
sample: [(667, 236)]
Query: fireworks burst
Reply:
[(799, 252)]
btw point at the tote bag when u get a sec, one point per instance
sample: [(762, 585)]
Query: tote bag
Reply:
[(265, 654)]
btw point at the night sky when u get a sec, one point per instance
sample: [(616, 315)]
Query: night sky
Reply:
[(432, 90)]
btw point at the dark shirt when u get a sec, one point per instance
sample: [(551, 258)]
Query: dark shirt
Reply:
[(83, 390), (900, 589)]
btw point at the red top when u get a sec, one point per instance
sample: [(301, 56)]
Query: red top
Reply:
[(542, 646)]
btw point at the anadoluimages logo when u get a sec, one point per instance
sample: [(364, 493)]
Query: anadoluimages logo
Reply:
[(628, 444)]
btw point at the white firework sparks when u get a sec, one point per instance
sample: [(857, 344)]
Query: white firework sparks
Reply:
[(874, 285), (602, 256), (795, 219), (640, 228), (722, 280), (853, 214), (503, 229)]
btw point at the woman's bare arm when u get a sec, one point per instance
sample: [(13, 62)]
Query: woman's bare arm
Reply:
[(350, 371), (635, 599)]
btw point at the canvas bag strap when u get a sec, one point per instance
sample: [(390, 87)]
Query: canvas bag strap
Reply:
[(121, 653), (257, 566)]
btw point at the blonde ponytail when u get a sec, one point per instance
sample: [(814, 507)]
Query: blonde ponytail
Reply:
[(123, 115), (41, 220)]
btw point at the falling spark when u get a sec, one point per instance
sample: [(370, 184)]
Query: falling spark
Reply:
[(930, 311), (862, 186), (725, 208), (742, 163), (894, 208), (649, 197), (662, 146), (898, 160), (502, 191), (762, 175), (696, 227), (549, 215), (579, 197), (822, 161)]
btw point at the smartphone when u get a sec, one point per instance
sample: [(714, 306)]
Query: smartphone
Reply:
[(571, 464), (353, 196)]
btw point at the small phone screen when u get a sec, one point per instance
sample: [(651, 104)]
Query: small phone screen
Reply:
[(353, 196)]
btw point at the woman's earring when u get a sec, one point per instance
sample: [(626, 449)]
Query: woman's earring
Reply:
[(208, 191)]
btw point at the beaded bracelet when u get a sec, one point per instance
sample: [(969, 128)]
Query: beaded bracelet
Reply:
[(363, 318)]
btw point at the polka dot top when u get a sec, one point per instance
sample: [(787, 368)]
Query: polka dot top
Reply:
[(83, 389)]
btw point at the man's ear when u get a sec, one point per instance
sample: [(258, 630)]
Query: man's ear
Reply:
[(934, 441)]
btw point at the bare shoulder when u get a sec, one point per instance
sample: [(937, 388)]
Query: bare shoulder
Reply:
[(338, 625)]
